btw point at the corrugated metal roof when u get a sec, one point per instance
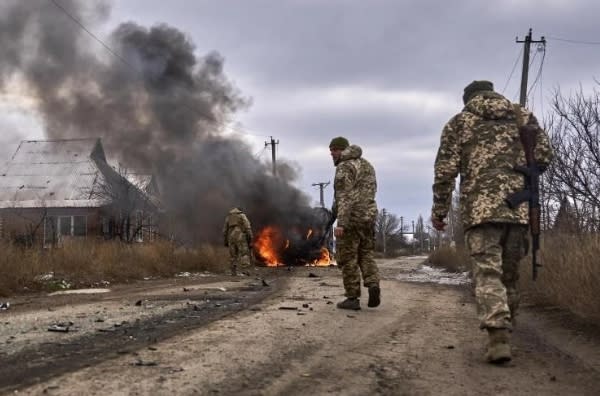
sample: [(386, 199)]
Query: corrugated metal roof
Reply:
[(139, 180), (52, 173)]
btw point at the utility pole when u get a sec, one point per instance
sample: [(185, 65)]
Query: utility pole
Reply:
[(402, 228), (274, 160), (322, 186), (524, 74), (384, 228)]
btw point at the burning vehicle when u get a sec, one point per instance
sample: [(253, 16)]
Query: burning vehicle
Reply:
[(306, 241)]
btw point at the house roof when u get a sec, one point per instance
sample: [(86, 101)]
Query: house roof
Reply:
[(52, 173)]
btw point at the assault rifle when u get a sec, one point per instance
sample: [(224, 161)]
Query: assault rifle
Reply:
[(531, 193), (326, 230)]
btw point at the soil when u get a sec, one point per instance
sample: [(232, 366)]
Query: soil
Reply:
[(280, 333)]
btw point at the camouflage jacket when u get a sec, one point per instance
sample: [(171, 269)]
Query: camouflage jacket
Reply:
[(355, 186), (237, 219), (482, 144)]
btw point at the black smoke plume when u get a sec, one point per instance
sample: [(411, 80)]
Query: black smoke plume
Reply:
[(157, 106)]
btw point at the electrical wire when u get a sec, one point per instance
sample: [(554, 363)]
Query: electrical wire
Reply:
[(92, 35), (573, 41), (114, 53), (539, 73), (513, 70), (260, 152)]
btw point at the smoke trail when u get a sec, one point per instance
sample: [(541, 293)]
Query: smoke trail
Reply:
[(156, 105)]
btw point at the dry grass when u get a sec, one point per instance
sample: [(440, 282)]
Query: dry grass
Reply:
[(451, 259), (92, 263), (570, 276)]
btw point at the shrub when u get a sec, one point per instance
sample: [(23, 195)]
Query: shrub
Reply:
[(452, 259)]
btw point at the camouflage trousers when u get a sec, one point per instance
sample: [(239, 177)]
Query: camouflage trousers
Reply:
[(355, 257), (240, 256), (496, 250)]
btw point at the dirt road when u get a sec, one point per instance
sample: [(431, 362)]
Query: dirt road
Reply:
[(219, 335)]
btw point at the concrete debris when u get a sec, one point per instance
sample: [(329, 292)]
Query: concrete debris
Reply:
[(80, 291), (60, 327), (264, 283), (4, 306), (140, 362), (138, 303)]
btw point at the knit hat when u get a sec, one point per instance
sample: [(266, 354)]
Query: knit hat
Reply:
[(339, 142), (476, 86)]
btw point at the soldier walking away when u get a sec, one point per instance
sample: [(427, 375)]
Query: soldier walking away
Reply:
[(482, 144), (355, 208), (237, 235)]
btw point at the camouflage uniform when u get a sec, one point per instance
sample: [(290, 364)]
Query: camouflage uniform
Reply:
[(237, 234), (482, 145), (354, 206)]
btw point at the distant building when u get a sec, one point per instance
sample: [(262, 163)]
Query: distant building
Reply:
[(55, 190)]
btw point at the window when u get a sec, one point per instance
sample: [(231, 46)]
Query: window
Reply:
[(79, 225), (56, 227), (64, 226)]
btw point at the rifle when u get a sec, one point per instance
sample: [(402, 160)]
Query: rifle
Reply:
[(531, 193), (327, 228)]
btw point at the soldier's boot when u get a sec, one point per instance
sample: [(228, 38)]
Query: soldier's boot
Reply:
[(498, 349), (374, 296), (349, 303)]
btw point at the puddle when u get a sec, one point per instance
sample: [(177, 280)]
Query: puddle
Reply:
[(427, 274)]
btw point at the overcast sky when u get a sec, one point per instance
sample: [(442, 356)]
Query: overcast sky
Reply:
[(385, 74)]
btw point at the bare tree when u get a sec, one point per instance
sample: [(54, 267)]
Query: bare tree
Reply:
[(388, 235), (574, 175), (132, 212)]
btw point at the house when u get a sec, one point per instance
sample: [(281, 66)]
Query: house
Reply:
[(54, 190)]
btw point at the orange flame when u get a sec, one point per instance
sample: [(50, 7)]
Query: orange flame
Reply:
[(266, 242), (324, 260)]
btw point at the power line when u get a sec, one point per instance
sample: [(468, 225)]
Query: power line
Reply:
[(574, 41), (114, 53), (67, 13), (238, 130), (260, 152), (513, 70), (539, 73)]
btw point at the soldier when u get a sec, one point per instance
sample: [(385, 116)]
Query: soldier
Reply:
[(237, 234), (355, 208), (482, 144)]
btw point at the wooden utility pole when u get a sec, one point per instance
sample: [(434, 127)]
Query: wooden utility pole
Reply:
[(524, 74), (273, 143), (384, 227), (322, 186)]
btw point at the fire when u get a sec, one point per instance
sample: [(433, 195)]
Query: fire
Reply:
[(275, 246), (324, 260), (266, 245)]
